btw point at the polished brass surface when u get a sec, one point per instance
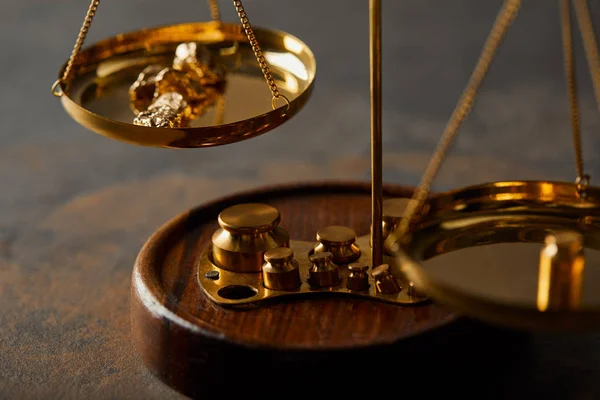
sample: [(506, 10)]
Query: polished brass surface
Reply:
[(477, 251), (560, 278), (503, 21), (96, 93), (413, 292), (358, 278), (57, 90), (212, 279), (260, 58), (376, 128), (249, 218), (281, 271), (340, 241), (323, 272), (279, 257), (385, 282), (247, 232), (393, 210)]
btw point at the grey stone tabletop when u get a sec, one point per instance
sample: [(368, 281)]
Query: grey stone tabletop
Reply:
[(70, 198)]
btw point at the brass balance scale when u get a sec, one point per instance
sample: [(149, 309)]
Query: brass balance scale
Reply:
[(520, 253)]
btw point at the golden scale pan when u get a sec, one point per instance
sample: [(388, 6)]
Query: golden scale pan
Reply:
[(525, 254), (94, 84)]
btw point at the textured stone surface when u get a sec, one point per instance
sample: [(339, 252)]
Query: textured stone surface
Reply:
[(76, 207)]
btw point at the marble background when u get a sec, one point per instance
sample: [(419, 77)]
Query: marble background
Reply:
[(70, 198)]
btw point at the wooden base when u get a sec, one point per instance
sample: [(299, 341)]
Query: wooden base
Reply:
[(197, 346)]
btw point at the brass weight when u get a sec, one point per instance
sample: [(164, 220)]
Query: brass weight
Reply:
[(281, 270), (340, 241), (247, 232)]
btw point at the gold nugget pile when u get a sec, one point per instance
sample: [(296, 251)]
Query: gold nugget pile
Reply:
[(170, 97)]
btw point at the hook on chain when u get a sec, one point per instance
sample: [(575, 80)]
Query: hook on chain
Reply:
[(56, 89), (280, 96), (87, 23), (582, 182)]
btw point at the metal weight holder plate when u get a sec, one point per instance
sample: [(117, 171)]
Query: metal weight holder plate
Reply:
[(97, 96), (252, 290), (477, 251)]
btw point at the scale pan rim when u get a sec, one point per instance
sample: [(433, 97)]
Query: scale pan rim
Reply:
[(209, 32), (535, 202)]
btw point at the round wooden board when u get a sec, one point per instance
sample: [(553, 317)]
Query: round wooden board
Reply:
[(196, 346)]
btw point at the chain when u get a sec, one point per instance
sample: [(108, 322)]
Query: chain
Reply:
[(258, 53), (465, 104), (590, 46), (220, 110), (87, 23), (569, 60), (214, 10)]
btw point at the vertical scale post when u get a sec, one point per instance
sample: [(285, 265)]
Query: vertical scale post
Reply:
[(376, 141)]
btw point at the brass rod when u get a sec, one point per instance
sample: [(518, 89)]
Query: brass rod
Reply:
[(505, 17), (376, 140)]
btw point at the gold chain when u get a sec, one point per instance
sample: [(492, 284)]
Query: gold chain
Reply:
[(214, 10), (258, 53), (220, 110), (569, 60), (591, 52), (465, 104), (87, 23)]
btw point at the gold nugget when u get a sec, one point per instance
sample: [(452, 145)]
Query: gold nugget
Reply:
[(170, 80), (168, 111), (172, 96), (141, 93), (199, 63)]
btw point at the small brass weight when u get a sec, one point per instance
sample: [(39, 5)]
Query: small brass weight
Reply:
[(176, 81), (252, 259), (247, 232), (187, 86)]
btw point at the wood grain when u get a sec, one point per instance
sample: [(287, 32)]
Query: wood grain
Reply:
[(76, 208), (193, 344)]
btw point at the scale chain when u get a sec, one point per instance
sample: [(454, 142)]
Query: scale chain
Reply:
[(85, 27), (215, 13), (503, 21), (239, 7), (569, 61), (87, 23), (590, 47)]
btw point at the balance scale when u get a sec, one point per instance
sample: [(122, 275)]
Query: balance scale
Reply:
[(327, 271)]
